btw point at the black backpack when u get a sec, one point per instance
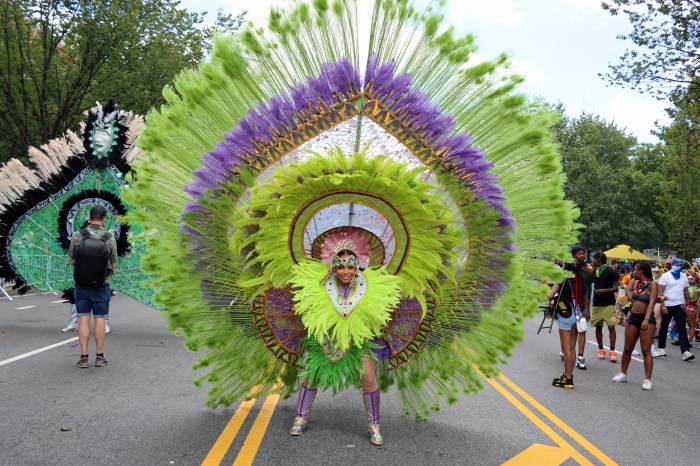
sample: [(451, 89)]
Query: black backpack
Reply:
[(92, 260)]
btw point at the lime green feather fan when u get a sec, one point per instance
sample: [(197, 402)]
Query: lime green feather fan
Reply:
[(293, 134)]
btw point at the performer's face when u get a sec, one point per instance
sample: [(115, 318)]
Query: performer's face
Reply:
[(580, 256), (345, 273)]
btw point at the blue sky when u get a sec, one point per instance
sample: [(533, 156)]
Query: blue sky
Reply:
[(560, 46)]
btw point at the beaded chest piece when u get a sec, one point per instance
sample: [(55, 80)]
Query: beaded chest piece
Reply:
[(345, 306)]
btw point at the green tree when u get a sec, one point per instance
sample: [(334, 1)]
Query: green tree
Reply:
[(680, 197), (598, 162), (57, 57), (666, 34)]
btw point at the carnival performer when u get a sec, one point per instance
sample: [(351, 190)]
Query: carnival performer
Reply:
[(641, 325), (345, 287), (261, 163)]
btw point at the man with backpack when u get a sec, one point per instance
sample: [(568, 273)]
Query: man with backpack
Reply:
[(93, 254)]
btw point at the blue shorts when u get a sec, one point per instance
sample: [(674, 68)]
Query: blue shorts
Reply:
[(93, 301), (567, 323)]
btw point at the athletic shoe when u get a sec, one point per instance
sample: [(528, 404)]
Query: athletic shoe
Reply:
[(613, 356), (70, 327), (581, 362), (635, 353), (647, 384), (675, 342), (656, 354), (621, 377), (83, 363), (564, 382), (558, 379), (561, 355), (687, 356), (100, 361), (601, 354), (662, 352)]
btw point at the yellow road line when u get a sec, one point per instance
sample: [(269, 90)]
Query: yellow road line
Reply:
[(252, 443), (602, 457), (218, 451), (539, 423)]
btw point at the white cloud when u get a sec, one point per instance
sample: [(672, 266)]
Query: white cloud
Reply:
[(498, 12), (591, 7), (636, 113), (532, 72)]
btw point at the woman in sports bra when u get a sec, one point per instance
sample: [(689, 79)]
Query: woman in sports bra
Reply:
[(642, 291)]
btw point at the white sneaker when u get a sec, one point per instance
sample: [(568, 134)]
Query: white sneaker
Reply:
[(561, 355), (621, 377), (647, 384), (635, 353), (69, 328), (662, 352), (687, 356), (655, 353)]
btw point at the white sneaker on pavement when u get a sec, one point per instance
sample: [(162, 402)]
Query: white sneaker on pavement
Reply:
[(662, 351), (561, 355), (635, 353), (687, 356), (655, 353), (647, 384), (621, 377)]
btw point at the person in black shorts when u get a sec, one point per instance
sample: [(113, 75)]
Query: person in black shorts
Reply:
[(642, 292)]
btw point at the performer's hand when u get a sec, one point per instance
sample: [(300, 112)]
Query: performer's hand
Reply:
[(645, 324)]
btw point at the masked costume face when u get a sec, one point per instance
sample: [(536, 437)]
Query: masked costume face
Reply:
[(345, 268)]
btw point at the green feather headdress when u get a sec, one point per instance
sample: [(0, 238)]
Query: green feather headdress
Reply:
[(286, 126)]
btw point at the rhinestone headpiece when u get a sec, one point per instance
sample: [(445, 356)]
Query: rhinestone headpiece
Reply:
[(344, 244)]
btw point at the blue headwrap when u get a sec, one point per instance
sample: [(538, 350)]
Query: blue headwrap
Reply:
[(676, 265)]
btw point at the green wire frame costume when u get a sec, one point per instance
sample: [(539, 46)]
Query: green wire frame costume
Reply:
[(286, 133)]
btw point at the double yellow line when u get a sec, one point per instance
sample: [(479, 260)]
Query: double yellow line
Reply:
[(252, 442), (251, 445), (565, 446)]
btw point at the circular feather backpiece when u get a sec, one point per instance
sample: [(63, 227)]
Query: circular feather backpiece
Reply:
[(265, 152)]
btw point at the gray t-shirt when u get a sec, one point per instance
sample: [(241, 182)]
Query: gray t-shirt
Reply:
[(95, 231)]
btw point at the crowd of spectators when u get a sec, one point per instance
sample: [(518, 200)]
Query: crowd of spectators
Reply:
[(655, 303)]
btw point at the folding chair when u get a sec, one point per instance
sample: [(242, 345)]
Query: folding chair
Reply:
[(555, 307)]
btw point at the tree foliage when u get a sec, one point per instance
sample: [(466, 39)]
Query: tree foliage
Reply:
[(680, 197), (57, 57), (599, 162), (666, 34)]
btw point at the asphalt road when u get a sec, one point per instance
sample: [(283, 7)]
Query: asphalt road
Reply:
[(142, 409)]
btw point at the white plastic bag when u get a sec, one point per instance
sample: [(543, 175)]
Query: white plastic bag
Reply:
[(581, 324)]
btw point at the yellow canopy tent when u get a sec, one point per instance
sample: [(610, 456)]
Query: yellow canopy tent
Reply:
[(622, 251)]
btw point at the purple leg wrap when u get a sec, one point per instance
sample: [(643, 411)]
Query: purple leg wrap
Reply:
[(372, 405), (306, 399)]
